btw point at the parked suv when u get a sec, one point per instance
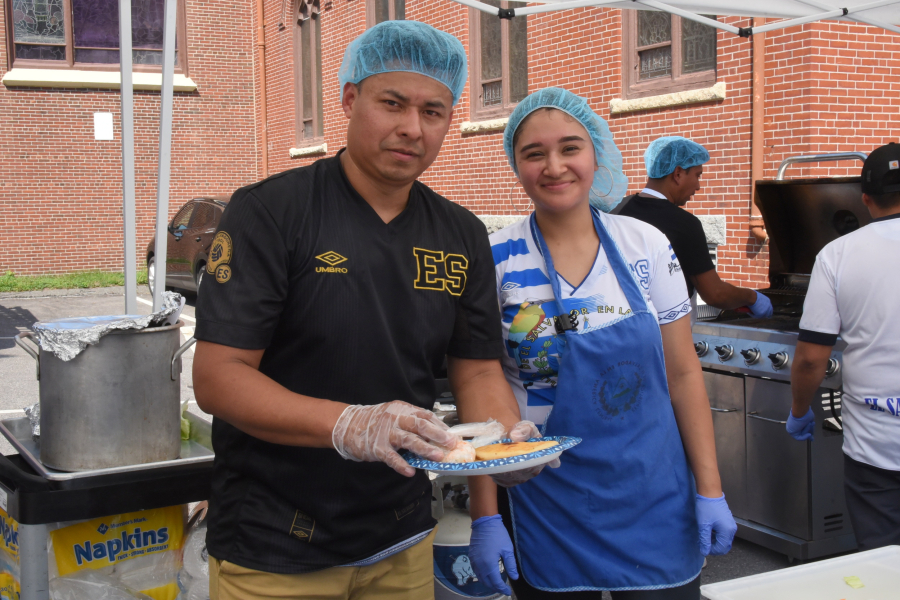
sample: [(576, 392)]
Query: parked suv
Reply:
[(190, 235)]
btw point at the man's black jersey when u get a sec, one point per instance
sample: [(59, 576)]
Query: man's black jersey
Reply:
[(347, 308), (684, 230)]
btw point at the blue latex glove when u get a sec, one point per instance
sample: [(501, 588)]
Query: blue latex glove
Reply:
[(714, 517), (801, 429), (762, 308), (488, 545)]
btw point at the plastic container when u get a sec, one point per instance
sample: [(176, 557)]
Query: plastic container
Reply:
[(878, 570)]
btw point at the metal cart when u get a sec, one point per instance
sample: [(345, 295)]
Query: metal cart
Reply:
[(34, 501)]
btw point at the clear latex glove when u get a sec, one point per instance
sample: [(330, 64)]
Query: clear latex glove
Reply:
[(762, 308), (714, 517), (482, 434), (801, 429), (375, 433), (522, 432), (489, 545)]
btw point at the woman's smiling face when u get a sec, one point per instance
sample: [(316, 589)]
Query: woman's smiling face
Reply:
[(555, 159)]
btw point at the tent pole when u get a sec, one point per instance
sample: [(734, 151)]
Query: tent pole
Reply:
[(684, 14), (865, 20), (485, 8), (165, 152), (532, 10), (127, 107), (800, 21)]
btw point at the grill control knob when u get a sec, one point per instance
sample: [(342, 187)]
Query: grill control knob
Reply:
[(702, 348), (833, 367), (779, 360), (751, 355), (725, 352)]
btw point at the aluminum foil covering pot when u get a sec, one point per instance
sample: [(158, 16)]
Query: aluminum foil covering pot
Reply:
[(117, 403), (67, 338)]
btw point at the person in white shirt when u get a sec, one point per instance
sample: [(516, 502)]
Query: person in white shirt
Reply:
[(853, 293)]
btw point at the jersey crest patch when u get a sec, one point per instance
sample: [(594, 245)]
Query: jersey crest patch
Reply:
[(220, 253)]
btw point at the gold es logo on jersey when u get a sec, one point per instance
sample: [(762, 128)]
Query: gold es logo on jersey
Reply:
[(440, 272), (332, 259)]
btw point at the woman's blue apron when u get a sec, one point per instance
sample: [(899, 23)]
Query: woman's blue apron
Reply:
[(619, 513)]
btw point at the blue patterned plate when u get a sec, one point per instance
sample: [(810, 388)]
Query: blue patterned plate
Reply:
[(498, 465)]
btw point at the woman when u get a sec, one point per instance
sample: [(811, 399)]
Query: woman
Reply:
[(594, 311)]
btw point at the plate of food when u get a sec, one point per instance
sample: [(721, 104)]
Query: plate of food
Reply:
[(499, 457)]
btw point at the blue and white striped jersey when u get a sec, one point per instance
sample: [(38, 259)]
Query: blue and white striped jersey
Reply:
[(528, 307)]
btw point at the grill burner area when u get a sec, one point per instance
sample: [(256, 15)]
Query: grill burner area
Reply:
[(785, 495), (778, 322)]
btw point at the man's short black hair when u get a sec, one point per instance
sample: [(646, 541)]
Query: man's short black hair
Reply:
[(886, 201)]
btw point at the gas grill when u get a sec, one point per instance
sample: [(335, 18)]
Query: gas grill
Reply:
[(785, 495)]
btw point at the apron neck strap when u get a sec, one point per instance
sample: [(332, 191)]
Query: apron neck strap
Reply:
[(620, 268)]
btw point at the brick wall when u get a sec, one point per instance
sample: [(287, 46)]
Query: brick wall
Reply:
[(829, 87), (61, 191)]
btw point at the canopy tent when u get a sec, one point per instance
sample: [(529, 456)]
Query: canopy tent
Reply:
[(882, 13)]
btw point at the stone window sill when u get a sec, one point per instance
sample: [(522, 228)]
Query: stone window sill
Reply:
[(618, 106), (715, 227), (497, 222), (309, 150), (105, 80), (483, 126)]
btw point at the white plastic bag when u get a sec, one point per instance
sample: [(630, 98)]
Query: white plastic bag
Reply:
[(194, 577), (91, 585)]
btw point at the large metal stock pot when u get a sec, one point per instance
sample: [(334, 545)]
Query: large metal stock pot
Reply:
[(115, 404)]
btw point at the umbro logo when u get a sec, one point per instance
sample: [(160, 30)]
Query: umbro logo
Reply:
[(332, 259), (509, 285)]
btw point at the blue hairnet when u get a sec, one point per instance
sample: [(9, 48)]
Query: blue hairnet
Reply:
[(408, 46), (665, 153), (610, 183)]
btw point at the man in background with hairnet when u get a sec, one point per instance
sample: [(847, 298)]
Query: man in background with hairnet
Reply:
[(674, 167), (335, 293)]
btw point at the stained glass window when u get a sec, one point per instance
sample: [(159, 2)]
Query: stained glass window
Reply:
[(308, 41), (387, 10), (40, 28), (698, 46), (503, 58), (518, 59), (662, 49), (653, 28)]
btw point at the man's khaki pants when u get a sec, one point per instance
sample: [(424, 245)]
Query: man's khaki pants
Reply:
[(407, 575)]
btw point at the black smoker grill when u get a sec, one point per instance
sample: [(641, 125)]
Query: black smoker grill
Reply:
[(785, 495)]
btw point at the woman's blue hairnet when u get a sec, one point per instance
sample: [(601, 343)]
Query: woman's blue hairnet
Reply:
[(408, 46), (610, 183), (665, 153)]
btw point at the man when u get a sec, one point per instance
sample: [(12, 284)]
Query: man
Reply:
[(853, 293), (674, 167), (335, 292)]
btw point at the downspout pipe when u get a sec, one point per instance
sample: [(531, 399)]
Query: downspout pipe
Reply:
[(757, 136), (263, 113)]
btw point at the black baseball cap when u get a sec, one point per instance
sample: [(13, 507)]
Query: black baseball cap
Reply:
[(881, 171)]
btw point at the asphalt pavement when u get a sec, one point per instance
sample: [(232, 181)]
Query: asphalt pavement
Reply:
[(19, 388)]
